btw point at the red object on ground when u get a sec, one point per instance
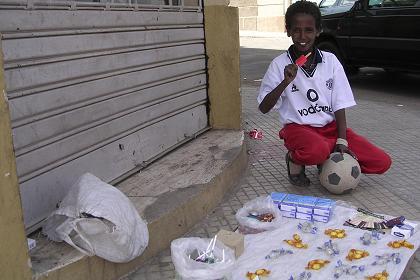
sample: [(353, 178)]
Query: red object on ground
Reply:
[(255, 134), (302, 59)]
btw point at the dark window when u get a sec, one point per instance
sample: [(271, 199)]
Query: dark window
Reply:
[(393, 3)]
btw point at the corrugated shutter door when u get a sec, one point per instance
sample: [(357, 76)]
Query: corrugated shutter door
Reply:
[(100, 91)]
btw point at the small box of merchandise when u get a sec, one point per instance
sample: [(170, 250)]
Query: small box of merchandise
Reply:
[(323, 207), (303, 207), (278, 198), (404, 230)]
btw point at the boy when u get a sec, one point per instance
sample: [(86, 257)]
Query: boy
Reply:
[(311, 101)]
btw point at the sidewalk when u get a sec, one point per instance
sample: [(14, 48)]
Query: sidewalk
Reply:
[(395, 193), (264, 40)]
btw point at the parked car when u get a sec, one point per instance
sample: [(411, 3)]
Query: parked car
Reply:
[(377, 33)]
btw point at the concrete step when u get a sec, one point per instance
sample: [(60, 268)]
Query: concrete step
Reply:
[(171, 195)]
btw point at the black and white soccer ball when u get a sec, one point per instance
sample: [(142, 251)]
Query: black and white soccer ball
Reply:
[(340, 173)]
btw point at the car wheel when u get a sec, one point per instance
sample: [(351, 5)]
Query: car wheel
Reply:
[(331, 47)]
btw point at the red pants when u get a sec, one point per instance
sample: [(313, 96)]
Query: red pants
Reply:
[(312, 145)]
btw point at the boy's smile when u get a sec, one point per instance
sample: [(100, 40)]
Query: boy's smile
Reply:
[(303, 32)]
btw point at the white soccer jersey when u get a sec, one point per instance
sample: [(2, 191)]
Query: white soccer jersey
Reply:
[(311, 98)]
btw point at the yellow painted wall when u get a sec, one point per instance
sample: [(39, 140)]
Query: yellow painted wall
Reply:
[(222, 47), (14, 259)]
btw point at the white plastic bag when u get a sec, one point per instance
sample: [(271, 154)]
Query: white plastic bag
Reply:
[(260, 205), (190, 269), (98, 219)]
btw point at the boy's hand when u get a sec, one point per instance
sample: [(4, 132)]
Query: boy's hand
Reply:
[(290, 72), (344, 149)]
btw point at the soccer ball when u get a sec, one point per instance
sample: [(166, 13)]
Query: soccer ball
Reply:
[(340, 173)]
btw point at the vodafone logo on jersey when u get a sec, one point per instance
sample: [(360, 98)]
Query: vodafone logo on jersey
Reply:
[(313, 96), (313, 109)]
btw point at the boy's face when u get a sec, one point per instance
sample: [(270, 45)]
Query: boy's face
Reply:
[(303, 32)]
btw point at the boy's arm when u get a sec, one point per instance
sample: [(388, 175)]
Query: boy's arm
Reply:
[(271, 99), (340, 118), (341, 123)]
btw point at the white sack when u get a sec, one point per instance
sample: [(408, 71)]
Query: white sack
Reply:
[(98, 219), (261, 205), (190, 269)]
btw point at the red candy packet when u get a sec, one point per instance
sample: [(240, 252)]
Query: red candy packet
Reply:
[(255, 134)]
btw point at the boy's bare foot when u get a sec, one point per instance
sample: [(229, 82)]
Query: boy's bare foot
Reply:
[(296, 173)]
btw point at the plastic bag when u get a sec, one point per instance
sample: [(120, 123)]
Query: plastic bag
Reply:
[(190, 269), (98, 219), (260, 205)]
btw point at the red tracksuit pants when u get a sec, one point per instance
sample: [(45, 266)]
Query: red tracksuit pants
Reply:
[(312, 145)]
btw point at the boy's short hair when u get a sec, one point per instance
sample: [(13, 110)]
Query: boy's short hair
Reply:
[(303, 7)]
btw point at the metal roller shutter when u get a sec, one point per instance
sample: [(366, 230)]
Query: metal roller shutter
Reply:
[(98, 87)]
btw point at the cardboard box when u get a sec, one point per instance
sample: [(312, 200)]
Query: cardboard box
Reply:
[(303, 216), (278, 197), (233, 240), (288, 214), (323, 207), (322, 219), (303, 207), (405, 230), (298, 203)]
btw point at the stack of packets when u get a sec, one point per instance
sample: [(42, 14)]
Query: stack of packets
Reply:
[(303, 207), (367, 220)]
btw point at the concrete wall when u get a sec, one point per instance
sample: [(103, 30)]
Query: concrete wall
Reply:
[(222, 49), (261, 15), (14, 259)]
